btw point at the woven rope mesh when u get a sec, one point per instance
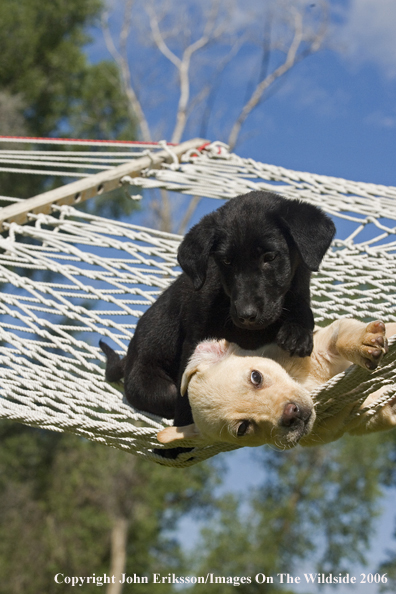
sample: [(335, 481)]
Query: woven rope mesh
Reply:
[(72, 278)]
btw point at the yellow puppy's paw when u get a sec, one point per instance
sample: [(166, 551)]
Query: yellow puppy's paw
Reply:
[(374, 345)]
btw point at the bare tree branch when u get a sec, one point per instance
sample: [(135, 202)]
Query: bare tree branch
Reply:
[(192, 206), (212, 87), (291, 59), (183, 64), (119, 538), (169, 29), (120, 57)]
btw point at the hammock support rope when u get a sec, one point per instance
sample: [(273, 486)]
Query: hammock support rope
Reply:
[(72, 278)]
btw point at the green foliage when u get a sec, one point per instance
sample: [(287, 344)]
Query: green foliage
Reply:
[(100, 109), (41, 56), (333, 489), (47, 85), (42, 62), (60, 496), (389, 565), (317, 504)]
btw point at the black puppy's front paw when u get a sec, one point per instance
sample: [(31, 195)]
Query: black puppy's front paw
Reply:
[(172, 453), (295, 339)]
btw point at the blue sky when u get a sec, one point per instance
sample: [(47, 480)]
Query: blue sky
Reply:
[(334, 114), (331, 120)]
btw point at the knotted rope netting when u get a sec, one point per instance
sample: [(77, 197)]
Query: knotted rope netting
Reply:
[(71, 278)]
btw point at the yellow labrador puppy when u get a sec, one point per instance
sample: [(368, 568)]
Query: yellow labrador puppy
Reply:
[(251, 398)]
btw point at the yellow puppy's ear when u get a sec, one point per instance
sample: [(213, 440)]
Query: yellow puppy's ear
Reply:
[(170, 434), (187, 375), (206, 353)]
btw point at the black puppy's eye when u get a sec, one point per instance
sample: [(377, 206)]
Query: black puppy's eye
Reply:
[(256, 378), (226, 261), (242, 428), (269, 257)]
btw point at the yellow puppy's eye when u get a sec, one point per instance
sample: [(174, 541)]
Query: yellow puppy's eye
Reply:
[(256, 378), (242, 428)]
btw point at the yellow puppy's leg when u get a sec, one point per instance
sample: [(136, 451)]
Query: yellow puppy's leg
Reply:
[(390, 329), (362, 344), (339, 345), (336, 347), (384, 417)]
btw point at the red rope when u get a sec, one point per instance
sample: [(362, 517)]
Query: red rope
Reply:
[(205, 144)]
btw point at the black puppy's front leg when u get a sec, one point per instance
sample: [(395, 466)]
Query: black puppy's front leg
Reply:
[(183, 414), (295, 334)]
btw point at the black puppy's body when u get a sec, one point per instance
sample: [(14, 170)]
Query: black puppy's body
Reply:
[(246, 278)]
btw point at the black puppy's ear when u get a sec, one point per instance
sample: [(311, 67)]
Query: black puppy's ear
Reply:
[(194, 251), (311, 229)]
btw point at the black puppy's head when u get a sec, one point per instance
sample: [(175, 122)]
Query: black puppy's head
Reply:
[(258, 241)]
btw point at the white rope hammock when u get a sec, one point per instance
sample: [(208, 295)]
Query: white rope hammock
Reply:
[(73, 278)]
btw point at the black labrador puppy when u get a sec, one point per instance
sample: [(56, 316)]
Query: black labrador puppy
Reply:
[(246, 276)]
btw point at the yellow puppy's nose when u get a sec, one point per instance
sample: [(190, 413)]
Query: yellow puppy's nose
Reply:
[(293, 413)]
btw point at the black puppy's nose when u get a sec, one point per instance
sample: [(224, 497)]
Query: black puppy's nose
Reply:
[(292, 414), (247, 314)]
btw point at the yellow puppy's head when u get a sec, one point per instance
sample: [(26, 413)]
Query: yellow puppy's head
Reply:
[(240, 398)]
